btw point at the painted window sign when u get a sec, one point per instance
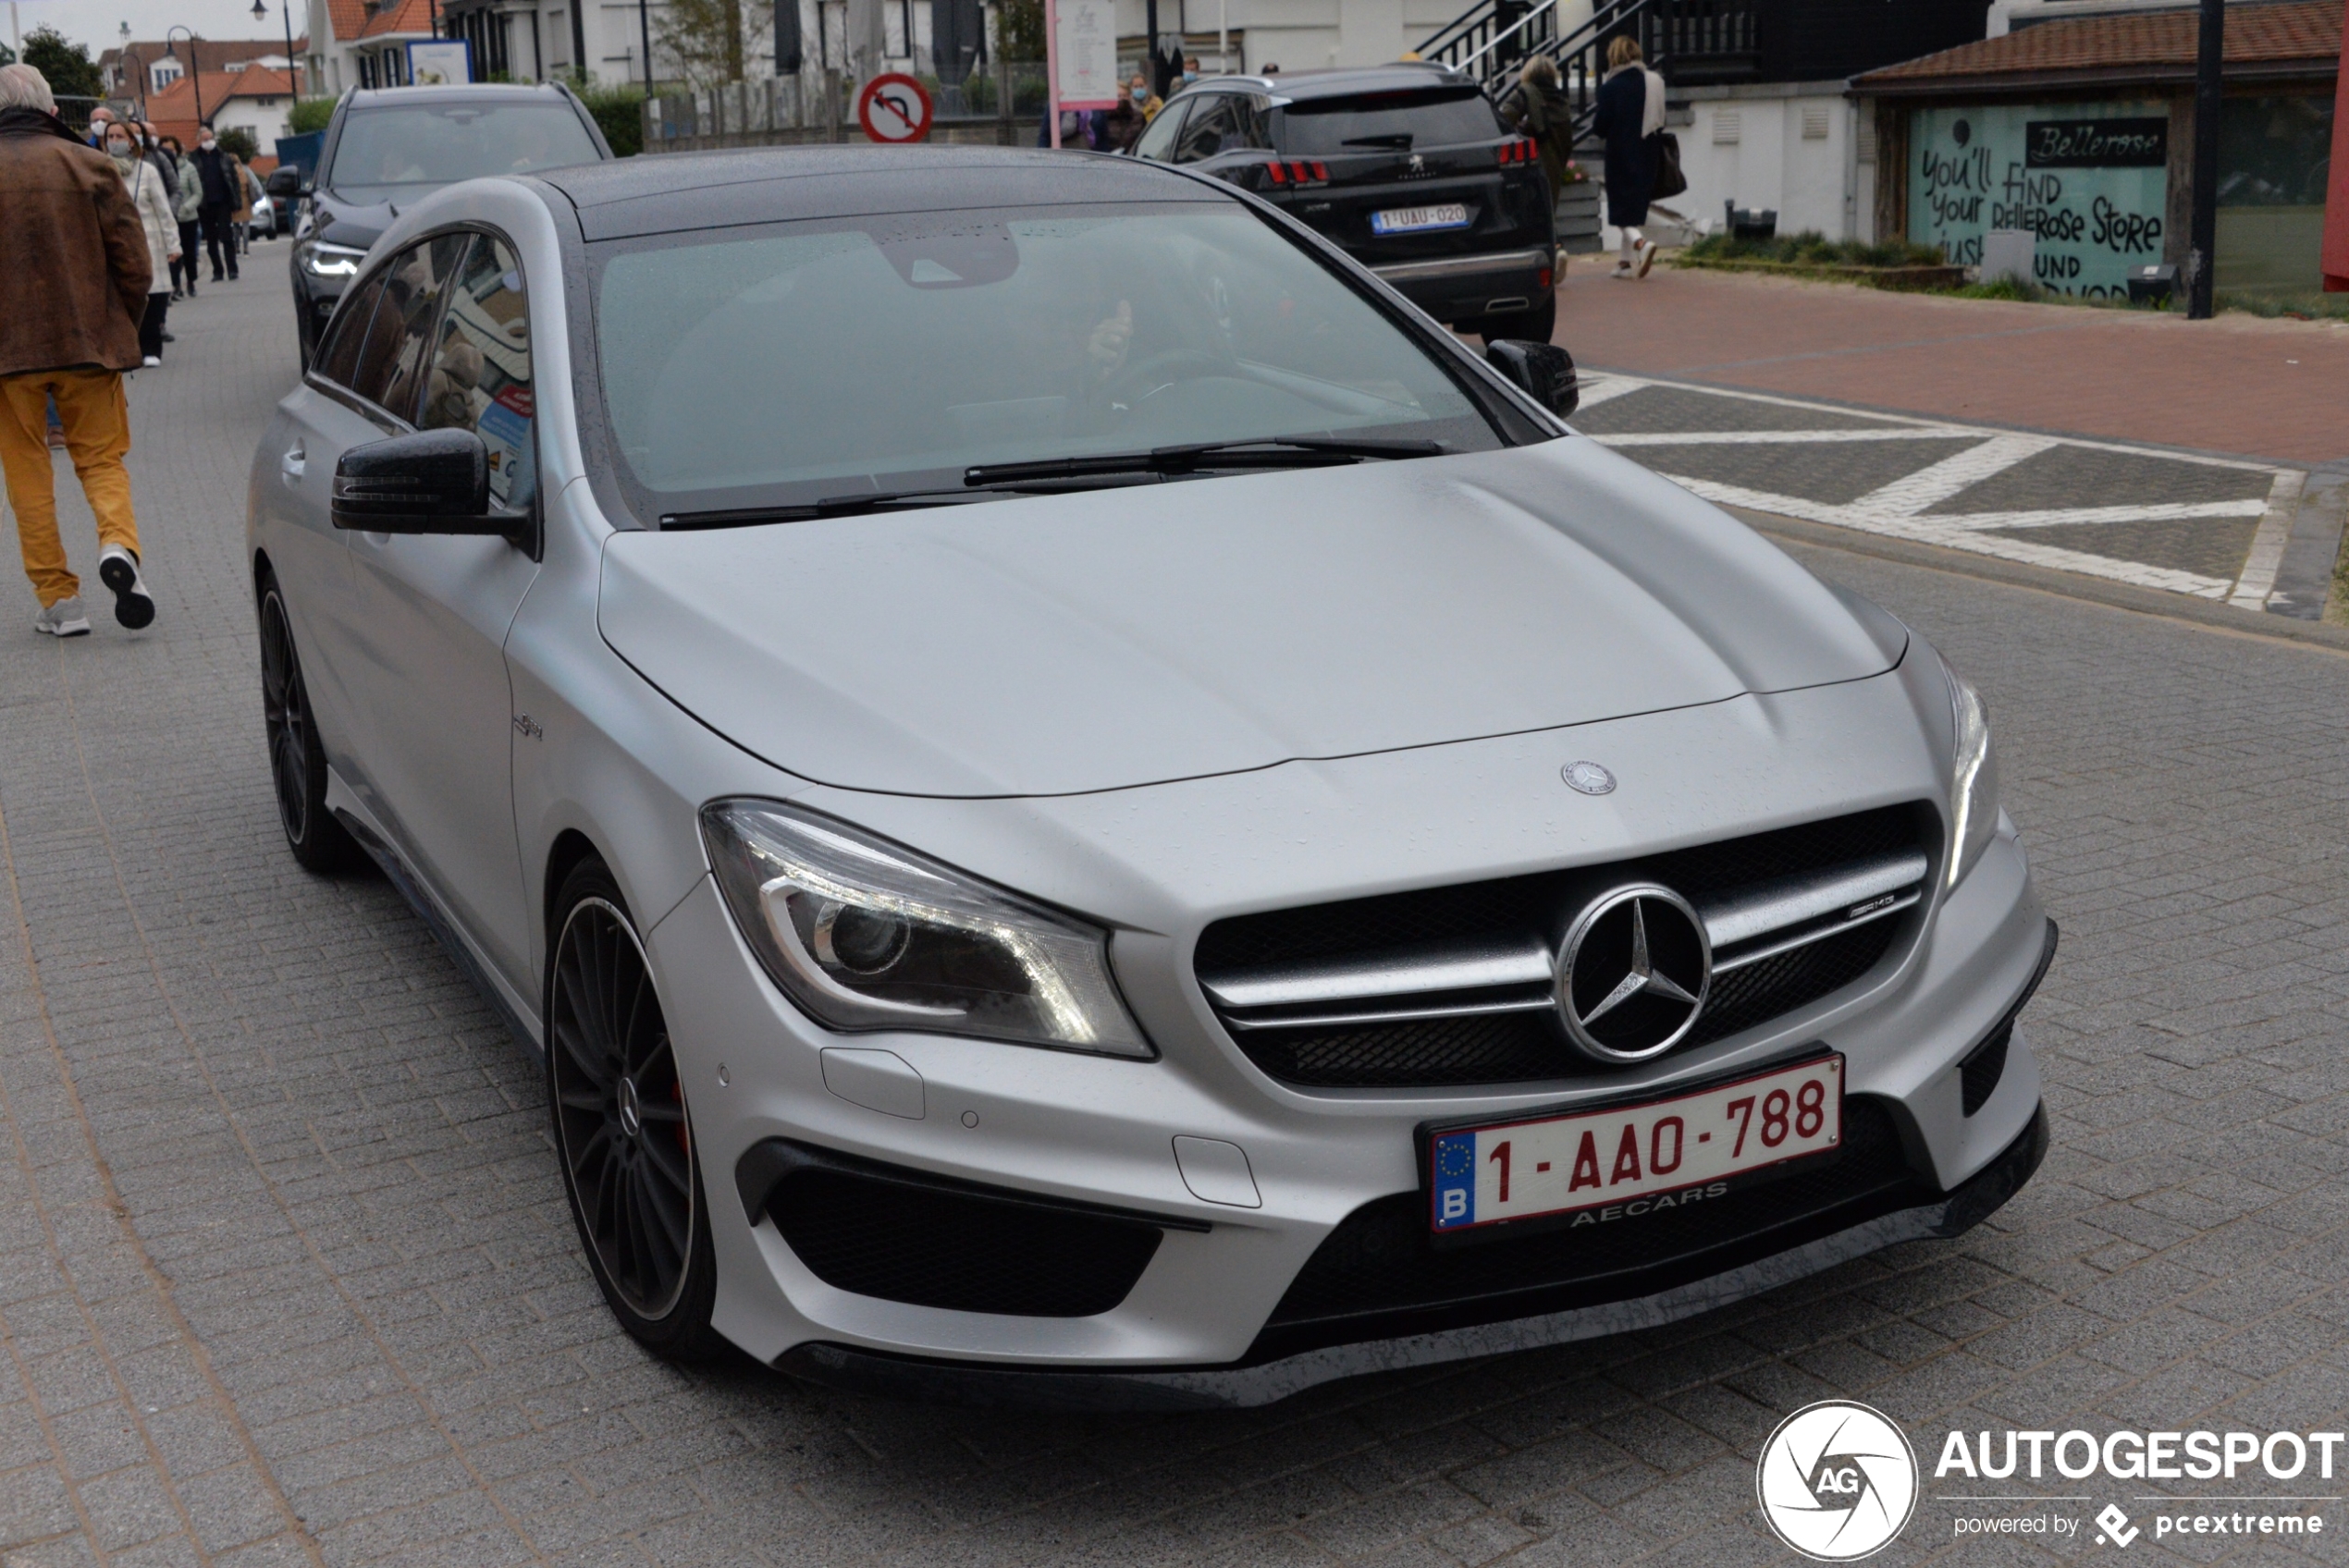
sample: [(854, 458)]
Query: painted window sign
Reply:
[(2090, 180), (2096, 144)]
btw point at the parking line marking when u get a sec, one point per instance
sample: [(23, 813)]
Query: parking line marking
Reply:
[(1960, 470), (1953, 535), (2259, 567)]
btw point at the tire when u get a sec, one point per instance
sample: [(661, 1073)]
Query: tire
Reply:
[(1534, 326), (623, 1134), (297, 757)]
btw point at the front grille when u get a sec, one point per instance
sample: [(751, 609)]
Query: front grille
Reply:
[(1380, 1273), (1504, 1028), (902, 1237)]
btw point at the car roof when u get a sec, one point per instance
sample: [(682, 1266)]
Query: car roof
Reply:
[(668, 192), (471, 92), (1401, 77)]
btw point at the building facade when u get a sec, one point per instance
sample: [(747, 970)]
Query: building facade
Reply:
[(2080, 129)]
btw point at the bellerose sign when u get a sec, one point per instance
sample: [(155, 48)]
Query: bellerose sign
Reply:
[(2153, 1456)]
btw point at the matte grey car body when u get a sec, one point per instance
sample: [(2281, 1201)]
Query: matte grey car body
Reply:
[(1186, 726)]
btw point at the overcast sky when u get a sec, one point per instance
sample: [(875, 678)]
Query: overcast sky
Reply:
[(98, 22)]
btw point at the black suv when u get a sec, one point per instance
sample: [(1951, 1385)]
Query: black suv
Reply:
[(388, 149), (1405, 166)]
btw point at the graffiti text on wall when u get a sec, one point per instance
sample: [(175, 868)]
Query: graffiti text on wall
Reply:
[(2090, 186)]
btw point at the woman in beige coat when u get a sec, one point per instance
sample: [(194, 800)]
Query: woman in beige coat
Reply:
[(162, 224)]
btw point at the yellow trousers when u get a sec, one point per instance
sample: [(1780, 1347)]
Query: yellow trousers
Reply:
[(97, 421)]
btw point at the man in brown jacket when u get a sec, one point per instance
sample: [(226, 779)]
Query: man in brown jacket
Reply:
[(75, 256)]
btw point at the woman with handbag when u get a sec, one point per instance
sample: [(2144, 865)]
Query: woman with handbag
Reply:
[(1629, 118)]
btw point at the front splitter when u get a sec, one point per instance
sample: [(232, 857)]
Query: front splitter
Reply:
[(1231, 1387)]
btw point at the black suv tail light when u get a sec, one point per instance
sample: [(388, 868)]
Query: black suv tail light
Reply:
[(1517, 149), (1297, 173)]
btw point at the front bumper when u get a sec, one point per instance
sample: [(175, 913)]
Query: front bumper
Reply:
[(1263, 1382), (1461, 288)]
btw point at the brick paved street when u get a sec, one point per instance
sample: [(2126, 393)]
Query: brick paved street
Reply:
[(2237, 384), (286, 1275), (2257, 534)]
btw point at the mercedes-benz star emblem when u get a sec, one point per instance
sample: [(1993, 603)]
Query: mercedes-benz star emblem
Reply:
[(1588, 778), (1633, 974)]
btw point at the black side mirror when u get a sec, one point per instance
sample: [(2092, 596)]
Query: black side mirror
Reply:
[(1543, 369), (431, 481), (284, 181)]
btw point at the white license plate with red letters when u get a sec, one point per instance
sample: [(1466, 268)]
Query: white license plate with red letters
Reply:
[(1639, 1159)]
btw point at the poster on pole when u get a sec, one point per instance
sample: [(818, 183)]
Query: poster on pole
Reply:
[(1084, 53), (440, 62)]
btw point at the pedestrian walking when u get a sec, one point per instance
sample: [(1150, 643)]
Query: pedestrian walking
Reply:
[(1629, 116), (186, 200), (249, 192), (1122, 126), (1537, 107), (79, 263), (141, 180), (216, 168), (98, 118)]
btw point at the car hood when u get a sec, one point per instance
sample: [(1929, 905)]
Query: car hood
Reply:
[(358, 219), (1070, 644)]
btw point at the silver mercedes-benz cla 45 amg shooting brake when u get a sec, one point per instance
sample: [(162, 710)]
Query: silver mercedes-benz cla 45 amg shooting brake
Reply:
[(1088, 809)]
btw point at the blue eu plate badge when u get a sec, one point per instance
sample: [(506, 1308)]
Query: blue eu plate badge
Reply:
[(1455, 1165)]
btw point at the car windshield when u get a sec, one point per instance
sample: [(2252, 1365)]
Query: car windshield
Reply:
[(806, 361), (1366, 123), (383, 150)]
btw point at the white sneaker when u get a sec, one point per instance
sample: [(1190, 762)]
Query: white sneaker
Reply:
[(1646, 249), (63, 619), (118, 570), (151, 362), (1623, 272)]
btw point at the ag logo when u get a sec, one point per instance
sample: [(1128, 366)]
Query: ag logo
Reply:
[(1837, 1481)]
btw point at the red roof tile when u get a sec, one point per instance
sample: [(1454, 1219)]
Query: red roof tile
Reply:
[(399, 18), (2153, 45)]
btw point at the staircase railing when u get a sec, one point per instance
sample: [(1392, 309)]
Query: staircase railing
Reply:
[(1493, 39)]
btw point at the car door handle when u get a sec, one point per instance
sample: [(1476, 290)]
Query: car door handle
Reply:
[(290, 467)]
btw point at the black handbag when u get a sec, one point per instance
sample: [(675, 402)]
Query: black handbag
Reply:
[(1669, 180)]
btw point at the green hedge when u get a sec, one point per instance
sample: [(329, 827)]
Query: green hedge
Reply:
[(1813, 248), (620, 111), (309, 115)]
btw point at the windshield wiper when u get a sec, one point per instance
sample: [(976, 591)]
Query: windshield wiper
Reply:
[(830, 506), (1297, 451), (855, 502)]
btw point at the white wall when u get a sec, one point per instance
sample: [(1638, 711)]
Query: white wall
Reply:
[(266, 117), (1749, 144)]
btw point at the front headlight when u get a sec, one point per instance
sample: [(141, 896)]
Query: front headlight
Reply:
[(865, 935), (322, 260), (1974, 777)]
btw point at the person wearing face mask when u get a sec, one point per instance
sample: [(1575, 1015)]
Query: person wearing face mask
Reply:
[(145, 183), (188, 196), (80, 263), (217, 170)]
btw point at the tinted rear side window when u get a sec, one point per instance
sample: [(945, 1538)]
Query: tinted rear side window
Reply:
[(1400, 121)]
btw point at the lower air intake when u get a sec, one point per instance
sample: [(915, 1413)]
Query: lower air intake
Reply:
[(909, 1237)]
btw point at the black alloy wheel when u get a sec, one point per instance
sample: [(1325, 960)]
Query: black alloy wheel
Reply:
[(621, 1125), (297, 757)]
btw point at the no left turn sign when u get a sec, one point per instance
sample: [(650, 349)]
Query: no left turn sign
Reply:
[(893, 107)]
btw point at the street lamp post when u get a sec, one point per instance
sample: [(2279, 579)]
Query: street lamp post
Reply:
[(195, 68), (293, 79)]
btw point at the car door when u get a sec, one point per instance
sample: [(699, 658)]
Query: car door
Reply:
[(434, 610), (313, 426)]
